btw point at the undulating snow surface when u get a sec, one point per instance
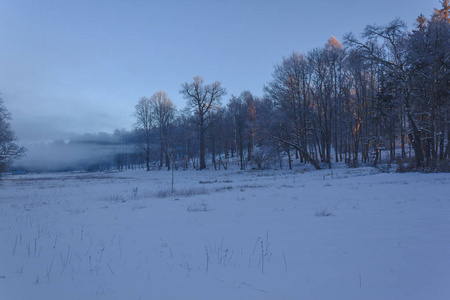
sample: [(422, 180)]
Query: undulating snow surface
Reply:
[(358, 234)]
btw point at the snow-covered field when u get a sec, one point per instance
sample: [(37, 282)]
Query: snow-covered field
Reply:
[(358, 234)]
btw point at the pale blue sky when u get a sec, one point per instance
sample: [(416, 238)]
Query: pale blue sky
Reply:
[(81, 66)]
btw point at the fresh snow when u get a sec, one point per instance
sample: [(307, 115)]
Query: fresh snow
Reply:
[(274, 234)]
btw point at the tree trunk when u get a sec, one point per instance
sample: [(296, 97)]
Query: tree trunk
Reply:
[(402, 133), (289, 158), (202, 150), (241, 151), (202, 143), (147, 159), (414, 136), (161, 154), (213, 154)]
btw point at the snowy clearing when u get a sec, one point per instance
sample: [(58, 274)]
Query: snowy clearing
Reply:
[(358, 234)]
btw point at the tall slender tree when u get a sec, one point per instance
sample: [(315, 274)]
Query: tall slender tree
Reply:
[(144, 125), (163, 112)]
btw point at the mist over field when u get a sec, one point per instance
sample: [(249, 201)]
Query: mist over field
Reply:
[(65, 157), (88, 152)]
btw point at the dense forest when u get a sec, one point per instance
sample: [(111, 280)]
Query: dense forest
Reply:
[(385, 94)]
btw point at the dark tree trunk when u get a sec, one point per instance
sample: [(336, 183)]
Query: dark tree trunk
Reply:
[(147, 159), (202, 149), (414, 136), (241, 151), (289, 157), (213, 148)]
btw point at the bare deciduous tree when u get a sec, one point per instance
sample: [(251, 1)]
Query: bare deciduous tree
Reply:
[(9, 149), (143, 125), (201, 99), (163, 111)]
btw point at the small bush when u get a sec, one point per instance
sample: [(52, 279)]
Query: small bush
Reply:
[(223, 188), (134, 193), (407, 164), (410, 165), (207, 181), (203, 207), (323, 212), (163, 194), (183, 192), (352, 164), (252, 186), (114, 198)]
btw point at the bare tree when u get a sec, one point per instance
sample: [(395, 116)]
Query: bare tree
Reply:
[(184, 132), (237, 108), (392, 55), (292, 94), (163, 111), (144, 125), (429, 60), (9, 149), (201, 99)]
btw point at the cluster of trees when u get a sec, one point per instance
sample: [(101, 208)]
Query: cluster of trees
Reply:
[(156, 113), (413, 83), (389, 90), (9, 149), (342, 102)]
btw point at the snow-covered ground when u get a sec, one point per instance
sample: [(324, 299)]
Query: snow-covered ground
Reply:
[(358, 234)]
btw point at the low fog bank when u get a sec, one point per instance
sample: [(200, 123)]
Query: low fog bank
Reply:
[(88, 152)]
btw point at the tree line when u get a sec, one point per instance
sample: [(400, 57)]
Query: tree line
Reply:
[(350, 102), (383, 94)]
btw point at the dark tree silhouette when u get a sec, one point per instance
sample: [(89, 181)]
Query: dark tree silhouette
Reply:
[(201, 99), (9, 149)]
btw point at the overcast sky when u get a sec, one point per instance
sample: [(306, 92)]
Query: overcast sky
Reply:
[(81, 66)]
